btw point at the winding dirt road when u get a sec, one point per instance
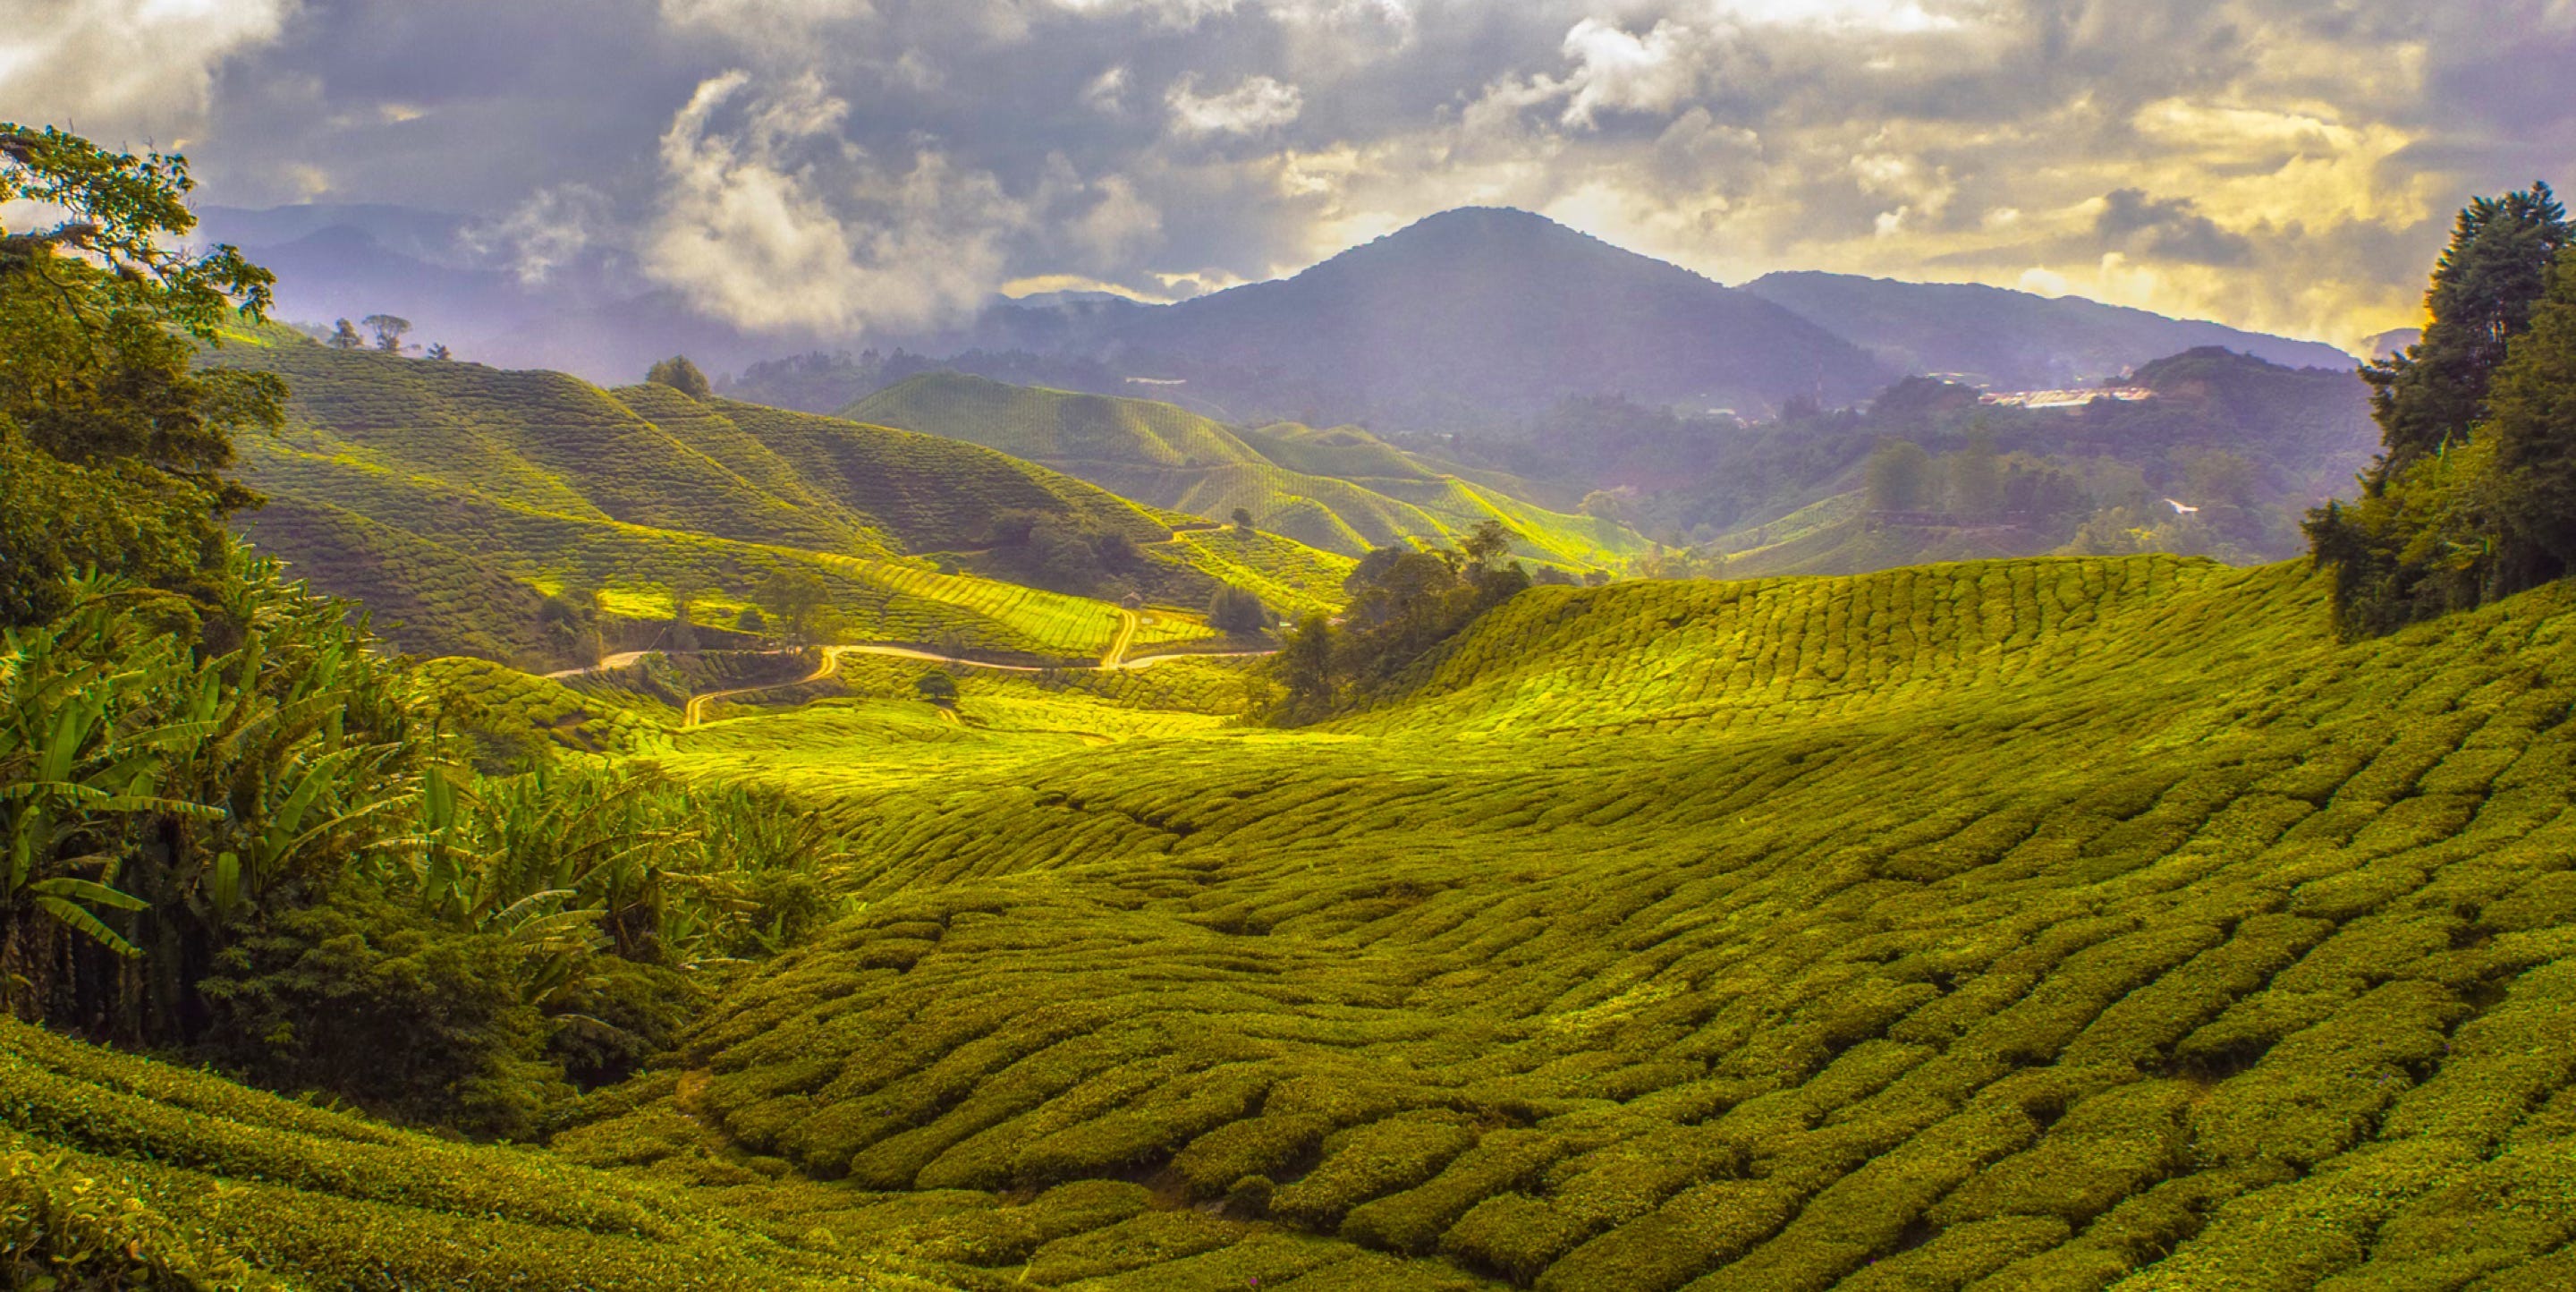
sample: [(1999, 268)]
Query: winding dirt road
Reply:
[(695, 712)]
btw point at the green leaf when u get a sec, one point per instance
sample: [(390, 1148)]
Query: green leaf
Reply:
[(87, 923), (65, 886)]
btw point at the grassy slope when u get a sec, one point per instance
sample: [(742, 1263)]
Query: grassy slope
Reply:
[(2027, 924), (185, 1180), (1341, 490), (1832, 536), (444, 493)]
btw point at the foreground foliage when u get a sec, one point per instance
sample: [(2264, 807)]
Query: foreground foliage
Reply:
[(117, 1172)]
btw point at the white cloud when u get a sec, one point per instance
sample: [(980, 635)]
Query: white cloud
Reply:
[(545, 233), (118, 66), (771, 221), (1256, 104), (1616, 71), (1181, 14), (1849, 16), (1107, 92), (763, 15)]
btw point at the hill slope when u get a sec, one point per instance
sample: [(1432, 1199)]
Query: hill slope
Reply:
[(2012, 340), (449, 495), (2028, 924), (122, 1172), (1340, 490)]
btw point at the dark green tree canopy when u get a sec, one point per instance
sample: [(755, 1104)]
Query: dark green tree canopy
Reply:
[(1237, 612), (113, 440), (681, 375), (2481, 297), (2474, 493), (2532, 430)]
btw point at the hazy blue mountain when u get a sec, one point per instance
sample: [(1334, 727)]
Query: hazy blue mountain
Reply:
[(1483, 311), (2012, 340)]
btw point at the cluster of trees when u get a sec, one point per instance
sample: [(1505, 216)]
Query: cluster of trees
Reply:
[(236, 829), (681, 375), (1974, 483), (1236, 612), (1404, 602), (1062, 554), (387, 330), (2473, 495)]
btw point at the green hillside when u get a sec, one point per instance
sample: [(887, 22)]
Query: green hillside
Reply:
[(451, 497), (1341, 490), (2028, 924), (119, 1172)]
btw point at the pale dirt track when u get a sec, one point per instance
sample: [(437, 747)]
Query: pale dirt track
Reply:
[(695, 712)]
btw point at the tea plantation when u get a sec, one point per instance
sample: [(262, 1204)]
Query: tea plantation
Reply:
[(127, 1173), (2033, 924), (1341, 490), (2043, 924), (451, 497)]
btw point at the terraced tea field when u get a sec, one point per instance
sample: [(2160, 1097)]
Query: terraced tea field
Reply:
[(2017, 925), (450, 497), (170, 1178), (1340, 490)]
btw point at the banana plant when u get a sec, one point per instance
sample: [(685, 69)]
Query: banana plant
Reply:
[(77, 763)]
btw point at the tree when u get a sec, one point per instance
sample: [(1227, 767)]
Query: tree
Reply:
[(1485, 544), (686, 591), (1236, 612), (937, 687), (439, 351), (1608, 504), (1899, 477), (2427, 534), (1977, 477), (681, 375), (1304, 664), (2481, 297), (389, 331), (344, 336), (1243, 519), (113, 441), (2532, 430), (751, 621), (797, 600)]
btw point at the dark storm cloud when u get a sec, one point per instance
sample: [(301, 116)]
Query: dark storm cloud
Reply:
[(853, 163), (2170, 229)]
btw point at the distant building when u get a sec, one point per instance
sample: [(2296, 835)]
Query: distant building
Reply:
[(2064, 398)]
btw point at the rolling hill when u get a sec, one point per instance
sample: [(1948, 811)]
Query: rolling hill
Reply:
[(1341, 490), (2012, 340), (452, 497), (2057, 924), (2028, 924)]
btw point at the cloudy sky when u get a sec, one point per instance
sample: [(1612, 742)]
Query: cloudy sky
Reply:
[(2287, 165)]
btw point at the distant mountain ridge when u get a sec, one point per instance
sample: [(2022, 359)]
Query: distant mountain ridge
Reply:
[(1480, 311), (2012, 340), (1463, 321)]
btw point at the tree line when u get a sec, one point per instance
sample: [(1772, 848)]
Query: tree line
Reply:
[(1404, 602), (2473, 495)]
